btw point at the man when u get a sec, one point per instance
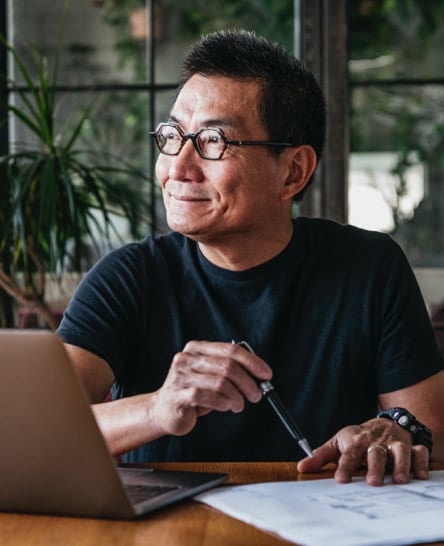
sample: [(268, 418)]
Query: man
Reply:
[(332, 312)]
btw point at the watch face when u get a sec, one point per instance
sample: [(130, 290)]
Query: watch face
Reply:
[(403, 420)]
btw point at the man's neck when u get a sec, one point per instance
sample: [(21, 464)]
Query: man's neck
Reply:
[(245, 252)]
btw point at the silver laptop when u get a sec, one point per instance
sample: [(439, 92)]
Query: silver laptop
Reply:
[(53, 458)]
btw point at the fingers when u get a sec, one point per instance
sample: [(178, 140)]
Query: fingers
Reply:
[(324, 454), (253, 364), (381, 448), (208, 376), (225, 369), (405, 460), (346, 449), (353, 448), (398, 458), (210, 392), (377, 459)]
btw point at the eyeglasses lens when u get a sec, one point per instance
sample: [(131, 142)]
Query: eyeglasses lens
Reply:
[(169, 139), (209, 143)]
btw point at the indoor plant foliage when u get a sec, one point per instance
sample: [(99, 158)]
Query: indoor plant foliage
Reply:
[(61, 196)]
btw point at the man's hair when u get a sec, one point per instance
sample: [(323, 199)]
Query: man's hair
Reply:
[(292, 105)]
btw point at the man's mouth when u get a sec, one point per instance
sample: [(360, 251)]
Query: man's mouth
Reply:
[(189, 198)]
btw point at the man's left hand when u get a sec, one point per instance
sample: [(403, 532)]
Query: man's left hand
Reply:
[(379, 445)]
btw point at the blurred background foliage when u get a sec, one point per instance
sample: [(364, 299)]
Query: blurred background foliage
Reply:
[(396, 85)]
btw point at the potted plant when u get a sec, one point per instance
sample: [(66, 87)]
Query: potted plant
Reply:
[(60, 195)]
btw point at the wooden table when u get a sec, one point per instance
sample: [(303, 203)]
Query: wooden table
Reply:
[(186, 524)]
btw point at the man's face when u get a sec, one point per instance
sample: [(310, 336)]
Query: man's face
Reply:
[(238, 194)]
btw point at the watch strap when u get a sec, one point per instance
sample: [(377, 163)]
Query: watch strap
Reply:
[(421, 434)]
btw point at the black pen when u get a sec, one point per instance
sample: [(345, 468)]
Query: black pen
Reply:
[(281, 411)]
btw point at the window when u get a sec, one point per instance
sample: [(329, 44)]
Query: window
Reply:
[(397, 129), (121, 60), (124, 58)]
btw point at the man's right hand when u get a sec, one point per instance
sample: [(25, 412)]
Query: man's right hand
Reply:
[(206, 376)]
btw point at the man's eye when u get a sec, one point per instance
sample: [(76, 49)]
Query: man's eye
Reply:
[(171, 135), (210, 137)]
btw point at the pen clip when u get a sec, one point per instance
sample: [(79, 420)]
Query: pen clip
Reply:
[(245, 345), (265, 386)]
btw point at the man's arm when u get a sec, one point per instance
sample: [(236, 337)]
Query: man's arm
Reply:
[(426, 400), (348, 448), (205, 376), (94, 373), (124, 423)]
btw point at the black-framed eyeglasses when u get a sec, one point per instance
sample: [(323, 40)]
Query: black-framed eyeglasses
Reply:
[(209, 142)]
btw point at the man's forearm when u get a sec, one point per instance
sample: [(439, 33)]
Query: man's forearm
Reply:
[(126, 423), (438, 447)]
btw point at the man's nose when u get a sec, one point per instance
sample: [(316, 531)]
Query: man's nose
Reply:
[(188, 145), (186, 164)]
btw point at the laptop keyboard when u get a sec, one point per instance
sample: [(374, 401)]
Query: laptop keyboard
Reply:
[(139, 493)]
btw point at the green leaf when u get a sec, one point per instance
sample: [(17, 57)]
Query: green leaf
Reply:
[(62, 197)]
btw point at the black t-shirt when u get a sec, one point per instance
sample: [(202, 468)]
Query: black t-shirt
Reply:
[(337, 315)]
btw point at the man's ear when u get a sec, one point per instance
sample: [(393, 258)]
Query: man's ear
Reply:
[(302, 164)]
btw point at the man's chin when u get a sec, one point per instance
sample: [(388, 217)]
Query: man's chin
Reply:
[(190, 231)]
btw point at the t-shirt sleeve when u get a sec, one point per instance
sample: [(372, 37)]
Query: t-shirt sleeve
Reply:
[(407, 349), (105, 314)]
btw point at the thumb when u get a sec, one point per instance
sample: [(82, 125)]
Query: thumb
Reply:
[(326, 453)]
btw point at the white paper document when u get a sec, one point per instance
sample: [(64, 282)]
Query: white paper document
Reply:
[(320, 512)]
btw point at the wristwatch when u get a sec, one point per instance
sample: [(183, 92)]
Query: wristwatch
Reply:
[(421, 434)]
